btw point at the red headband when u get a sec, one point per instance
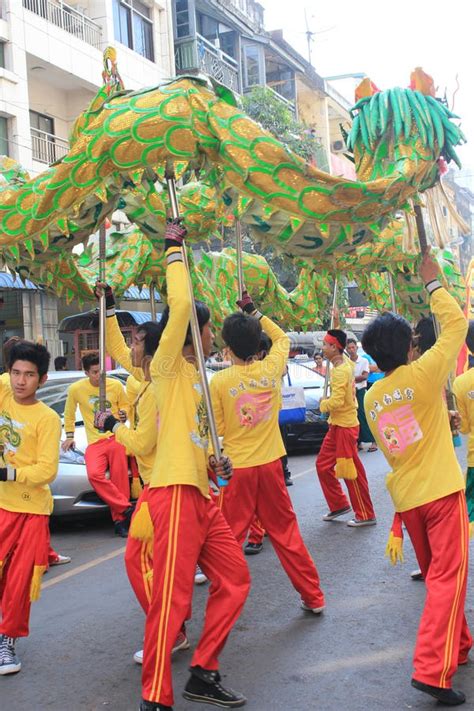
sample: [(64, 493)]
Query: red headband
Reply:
[(328, 338)]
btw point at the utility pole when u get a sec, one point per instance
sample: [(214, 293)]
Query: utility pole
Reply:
[(309, 35)]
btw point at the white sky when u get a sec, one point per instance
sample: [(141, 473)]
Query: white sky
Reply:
[(386, 40)]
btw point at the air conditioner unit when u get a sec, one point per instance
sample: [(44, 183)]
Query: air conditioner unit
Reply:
[(338, 146)]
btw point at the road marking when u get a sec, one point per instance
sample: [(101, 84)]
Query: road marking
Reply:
[(83, 568), (305, 471), (362, 659), (120, 551)]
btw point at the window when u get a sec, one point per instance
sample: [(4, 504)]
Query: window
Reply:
[(133, 27), (4, 136), (182, 19), (42, 137), (2, 55), (41, 122), (252, 65), (218, 34)]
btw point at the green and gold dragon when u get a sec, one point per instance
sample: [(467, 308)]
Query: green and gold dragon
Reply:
[(122, 144)]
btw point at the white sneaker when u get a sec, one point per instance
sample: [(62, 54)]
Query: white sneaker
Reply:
[(359, 522), (314, 610), (181, 643), (199, 577), (331, 515), (60, 560), (9, 662)]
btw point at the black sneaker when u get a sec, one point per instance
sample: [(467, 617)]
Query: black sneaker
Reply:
[(152, 706), (445, 697), (288, 479), (121, 529), (204, 687), (253, 548), (9, 662)]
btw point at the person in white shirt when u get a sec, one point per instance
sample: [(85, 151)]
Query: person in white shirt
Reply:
[(361, 373)]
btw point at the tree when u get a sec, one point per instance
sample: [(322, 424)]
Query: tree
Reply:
[(263, 106)]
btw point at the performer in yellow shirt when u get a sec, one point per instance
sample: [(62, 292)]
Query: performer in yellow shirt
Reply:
[(464, 391), (29, 435), (140, 441), (104, 453), (338, 457), (409, 419), (188, 526), (246, 399), (54, 558)]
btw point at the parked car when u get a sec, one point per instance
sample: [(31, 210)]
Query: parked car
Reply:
[(309, 434), (72, 492)]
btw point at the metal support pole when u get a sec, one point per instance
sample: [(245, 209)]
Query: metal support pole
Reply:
[(196, 333), (334, 305), (152, 301), (391, 286), (420, 226), (102, 389), (450, 399), (238, 252)]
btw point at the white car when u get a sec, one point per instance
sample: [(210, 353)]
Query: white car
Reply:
[(72, 492)]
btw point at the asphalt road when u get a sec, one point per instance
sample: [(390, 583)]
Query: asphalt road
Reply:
[(356, 656)]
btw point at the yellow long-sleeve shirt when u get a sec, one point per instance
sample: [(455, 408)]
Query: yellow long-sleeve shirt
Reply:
[(246, 400), (117, 348), (30, 436), (132, 388), (463, 388), (409, 420), (140, 439), (85, 395), (182, 447), (342, 403)]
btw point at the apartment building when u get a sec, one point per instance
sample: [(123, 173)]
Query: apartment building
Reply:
[(227, 40), (51, 65), (50, 69)]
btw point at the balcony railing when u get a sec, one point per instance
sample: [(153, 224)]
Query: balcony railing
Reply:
[(67, 18), (46, 147), (199, 53)]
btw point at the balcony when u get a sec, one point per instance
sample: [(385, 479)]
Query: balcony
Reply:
[(68, 19), (47, 148), (198, 53), (290, 105)]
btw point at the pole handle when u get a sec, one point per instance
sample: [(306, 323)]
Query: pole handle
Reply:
[(420, 226), (152, 301), (238, 253), (391, 286), (195, 331), (102, 316), (333, 309)]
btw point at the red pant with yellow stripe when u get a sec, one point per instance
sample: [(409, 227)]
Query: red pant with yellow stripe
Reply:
[(189, 528), (139, 561), (24, 543), (341, 443), (261, 490), (109, 455), (439, 532), (256, 532)]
